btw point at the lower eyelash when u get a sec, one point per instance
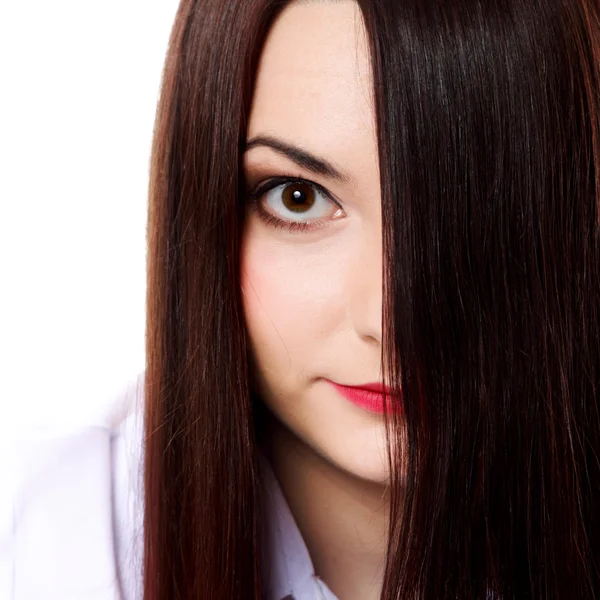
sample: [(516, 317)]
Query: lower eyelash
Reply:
[(277, 223)]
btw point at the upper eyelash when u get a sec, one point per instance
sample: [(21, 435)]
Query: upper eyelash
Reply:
[(276, 222), (281, 179)]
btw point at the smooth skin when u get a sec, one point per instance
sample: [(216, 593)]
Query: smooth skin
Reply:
[(313, 297)]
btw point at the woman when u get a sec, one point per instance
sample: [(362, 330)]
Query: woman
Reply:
[(373, 301)]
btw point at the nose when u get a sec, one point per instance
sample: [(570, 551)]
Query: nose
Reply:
[(366, 285)]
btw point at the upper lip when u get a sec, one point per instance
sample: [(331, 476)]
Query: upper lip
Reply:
[(371, 387)]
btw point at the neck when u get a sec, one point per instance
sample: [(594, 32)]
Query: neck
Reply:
[(343, 519)]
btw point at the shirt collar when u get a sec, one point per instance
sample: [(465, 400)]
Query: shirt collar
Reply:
[(286, 567)]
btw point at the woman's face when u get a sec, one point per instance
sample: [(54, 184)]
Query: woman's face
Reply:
[(313, 293)]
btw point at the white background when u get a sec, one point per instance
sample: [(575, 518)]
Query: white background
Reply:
[(79, 83)]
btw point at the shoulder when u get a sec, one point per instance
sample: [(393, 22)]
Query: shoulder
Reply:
[(77, 511)]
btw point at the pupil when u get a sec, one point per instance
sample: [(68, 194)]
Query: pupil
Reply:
[(298, 197)]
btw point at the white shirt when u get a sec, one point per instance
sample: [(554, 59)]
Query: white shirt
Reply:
[(77, 528)]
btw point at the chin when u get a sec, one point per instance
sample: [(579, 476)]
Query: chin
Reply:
[(368, 469)]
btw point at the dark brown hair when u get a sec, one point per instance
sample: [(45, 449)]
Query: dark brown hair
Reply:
[(488, 126)]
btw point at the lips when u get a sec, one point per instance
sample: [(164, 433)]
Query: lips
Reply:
[(372, 387), (368, 396)]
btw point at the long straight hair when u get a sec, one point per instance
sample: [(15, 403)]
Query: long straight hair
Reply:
[(488, 126)]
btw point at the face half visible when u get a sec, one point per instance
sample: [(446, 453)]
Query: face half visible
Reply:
[(312, 245)]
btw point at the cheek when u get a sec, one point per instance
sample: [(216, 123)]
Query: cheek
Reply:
[(293, 298)]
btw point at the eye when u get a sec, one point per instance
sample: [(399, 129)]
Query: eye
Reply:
[(300, 201), (297, 202)]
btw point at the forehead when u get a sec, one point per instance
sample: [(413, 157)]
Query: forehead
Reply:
[(314, 86)]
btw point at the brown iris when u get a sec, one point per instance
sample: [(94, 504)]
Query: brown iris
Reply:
[(298, 197)]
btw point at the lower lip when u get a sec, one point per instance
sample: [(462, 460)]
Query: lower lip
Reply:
[(367, 399)]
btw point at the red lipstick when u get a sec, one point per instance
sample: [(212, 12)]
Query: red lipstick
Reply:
[(368, 396)]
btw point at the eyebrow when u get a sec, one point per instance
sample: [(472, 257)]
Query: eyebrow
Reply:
[(301, 157)]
